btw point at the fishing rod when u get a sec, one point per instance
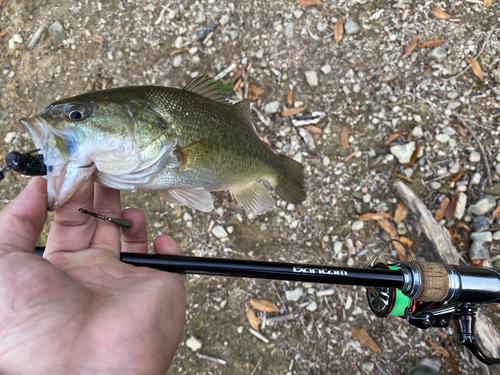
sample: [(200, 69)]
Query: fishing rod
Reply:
[(426, 294)]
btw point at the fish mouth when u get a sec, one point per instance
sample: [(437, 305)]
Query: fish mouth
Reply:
[(65, 173)]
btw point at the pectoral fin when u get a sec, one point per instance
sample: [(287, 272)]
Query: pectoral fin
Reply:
[(198, 153), (254, 197), (199, 199)]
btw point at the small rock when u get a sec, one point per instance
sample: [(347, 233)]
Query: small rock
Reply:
[(194, 343), (497, 168), (418, 132), (476, 179), (298, 13), (272, 107), (435, 185), (240, 329), (401, 228), (368, 366), (461, 204), (179, 42), (483, 206), (455, 168), (321, 26), (403, 152), (396, 109), (312, 78), (337, 246), (478, 251), (496, 236), (17, 38), (357, 310), (474, 157), (289, 28), (233, 34), (453, 105), (326, 69), (452, 95), (357, 225), (438, 53), (417, 118), (313, 306), (224, 19), (351, 27), (326, 161), (294, 295), (481, 236), (56, 32), (9, 137), (187, 216), (177, 61), (443, 138), (367, 198), (219, 232), (356, 88)]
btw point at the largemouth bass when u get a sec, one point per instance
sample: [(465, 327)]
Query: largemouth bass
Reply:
[(184, 143)]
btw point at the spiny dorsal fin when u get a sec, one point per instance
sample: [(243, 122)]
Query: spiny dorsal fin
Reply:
[(243, 108), (206, 88)]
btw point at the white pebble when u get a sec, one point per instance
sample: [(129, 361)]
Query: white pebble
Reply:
[(474, 157), (418, 131), (367, 198), (194, 343), (224, 19), (294, 295), (219, 231), (326, 161), (326, 68), (443, 138), (357, 225), (313, 306), (177, 61), (9, 137), (337, 247), (476, 179)]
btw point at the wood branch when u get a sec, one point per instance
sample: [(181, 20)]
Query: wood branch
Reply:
[(443, 251)]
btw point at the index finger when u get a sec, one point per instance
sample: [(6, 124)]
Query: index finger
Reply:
[(21, 221)]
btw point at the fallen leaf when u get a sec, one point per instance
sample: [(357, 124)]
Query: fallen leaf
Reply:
[(452, 207), (237, 84), (266, 141), (256, 89), (3, 32), (313, 129), (292, 111), (238, 74), (432, 43), (476, 68), (418, 146), (263, 305), (487, 3), (406, 241), (338, 30), (460, 130), (458, 176), (439, 13), (351, 155), (403, 177), (453, 363), (374, 216), (438, 348), (441, 211), (364, 338), (252, 319), (289, 98), (393, 137), (401, 212), (345, 137), (180, 50), (97, 38), (411, 47), (307, 3), (496, 213)]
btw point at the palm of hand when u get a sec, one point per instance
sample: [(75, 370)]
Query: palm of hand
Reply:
[(83, 311)]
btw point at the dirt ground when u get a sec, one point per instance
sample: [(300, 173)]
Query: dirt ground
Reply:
[(361, 90)]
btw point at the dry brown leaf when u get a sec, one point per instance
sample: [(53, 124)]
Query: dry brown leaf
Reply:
[(460, 130), (289, 98), (364, 338), (452, 207), (442, 209), (401, 212), (418, 146), (458, 176), (313, 129), (252, 319), (308, 3), (439, 13), (403, 177), (263, 305), (97, 38), (3, 32), (292, 111), (256, 89), (453, 363), (338, 30), (351, 155), (487, 3), (438, 348), (344, 137), (432, 43), (476, 68), (237, 84), (374, 216), (238, 74), (496, 213), (411, 47), (393, 137), (406, 241), (179, 50)]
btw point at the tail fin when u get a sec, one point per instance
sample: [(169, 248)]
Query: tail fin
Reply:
[(290, 184)]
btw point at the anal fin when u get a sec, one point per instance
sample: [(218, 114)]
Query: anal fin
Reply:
[(254, 197), (199, 199)]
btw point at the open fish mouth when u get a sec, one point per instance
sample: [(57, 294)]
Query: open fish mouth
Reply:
[(65, 171)]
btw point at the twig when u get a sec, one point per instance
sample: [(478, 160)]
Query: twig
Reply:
[(256, 366), (209, 358), (485, 158), (259, 336), (479, 54)]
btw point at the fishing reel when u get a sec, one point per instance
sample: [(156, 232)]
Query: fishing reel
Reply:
[(385, 301)]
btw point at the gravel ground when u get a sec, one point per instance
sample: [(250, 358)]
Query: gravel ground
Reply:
[(356, 93)]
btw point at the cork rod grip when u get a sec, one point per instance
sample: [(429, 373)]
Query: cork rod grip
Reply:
[(434, 282)]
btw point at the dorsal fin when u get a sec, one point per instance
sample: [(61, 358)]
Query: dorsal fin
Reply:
[(206, 88), (243, 108)]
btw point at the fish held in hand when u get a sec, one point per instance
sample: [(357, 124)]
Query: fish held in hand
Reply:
[(184, 143)]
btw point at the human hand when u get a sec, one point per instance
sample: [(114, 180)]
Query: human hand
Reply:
[(80, 310)]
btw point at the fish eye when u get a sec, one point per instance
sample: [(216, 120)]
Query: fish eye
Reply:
[(76, 112)]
